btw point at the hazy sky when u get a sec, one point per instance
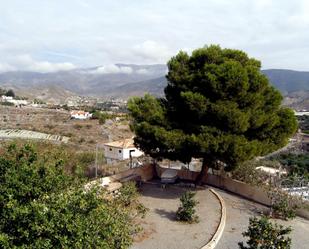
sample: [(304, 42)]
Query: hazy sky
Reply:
[(50, 35)]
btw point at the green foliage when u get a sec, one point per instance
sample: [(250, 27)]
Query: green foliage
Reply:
[(128, 197), (39, 102), (283, 205), (128, 193), (102, 116), (218, 106), (41, 206), (264, 235), (7, 103), (186, 212), (297, 164), (10, 93), (246, 172), (303, 123)]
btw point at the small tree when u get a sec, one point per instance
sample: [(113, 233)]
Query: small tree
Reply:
[(283, 205), (264, 235), (10, 93), (186, 211)]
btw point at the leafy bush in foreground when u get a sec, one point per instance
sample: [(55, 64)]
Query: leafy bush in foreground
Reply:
[(264, 235), (43, 207)]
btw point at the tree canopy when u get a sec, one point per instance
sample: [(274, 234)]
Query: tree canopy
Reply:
[(218, 106), (10, 93), (42, 206)]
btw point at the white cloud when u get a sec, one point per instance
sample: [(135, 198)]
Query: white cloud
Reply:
[(27, 63), (142, 71), (112, 69), (152, 51), (147, 32), (5, 67)]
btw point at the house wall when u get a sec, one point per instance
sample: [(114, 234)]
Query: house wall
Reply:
[(136, 153), (114, 153)]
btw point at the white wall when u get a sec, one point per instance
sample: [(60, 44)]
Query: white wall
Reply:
[(135, 153), (114, 153)]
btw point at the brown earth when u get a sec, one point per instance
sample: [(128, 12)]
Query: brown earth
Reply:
[(83, 134)]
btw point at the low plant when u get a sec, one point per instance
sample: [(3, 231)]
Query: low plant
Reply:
[(7, 103), (186, 212), (283, 205), (263, 234)]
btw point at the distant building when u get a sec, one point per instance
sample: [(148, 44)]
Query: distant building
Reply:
[(16, 102), (80, 115), (272, 171), (6, 98), (120, 150)]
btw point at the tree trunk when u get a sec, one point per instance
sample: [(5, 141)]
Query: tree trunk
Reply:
[(204, 172)]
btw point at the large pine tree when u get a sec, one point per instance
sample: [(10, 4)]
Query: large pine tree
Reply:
[(218, 106)]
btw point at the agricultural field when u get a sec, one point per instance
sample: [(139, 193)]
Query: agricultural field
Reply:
[(83, 135)]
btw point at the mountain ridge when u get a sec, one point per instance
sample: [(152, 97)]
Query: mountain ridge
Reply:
[(124, 80)]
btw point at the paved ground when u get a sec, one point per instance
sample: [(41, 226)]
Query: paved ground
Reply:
[(160, 228), (238, 212)]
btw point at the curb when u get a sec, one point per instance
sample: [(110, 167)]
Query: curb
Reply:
[(216, 237)]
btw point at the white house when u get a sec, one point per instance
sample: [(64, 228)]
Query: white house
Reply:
[(80, 115), (120, 150), (6, 98), (16, 102)]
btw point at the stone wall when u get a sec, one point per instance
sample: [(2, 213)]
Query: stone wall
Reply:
[(245, 190)]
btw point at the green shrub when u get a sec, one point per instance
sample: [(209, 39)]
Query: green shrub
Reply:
[(7, 103), (127, 193), (186, 211), (102, 116), (264, 235), (298, 164), (44, 207), (283, 205)]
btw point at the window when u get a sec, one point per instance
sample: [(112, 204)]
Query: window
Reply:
[(119, 151), (110, 149)]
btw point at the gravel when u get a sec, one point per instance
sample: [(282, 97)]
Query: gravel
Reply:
[(161, 230)]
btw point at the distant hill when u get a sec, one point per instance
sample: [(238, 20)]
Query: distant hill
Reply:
[(96, 81), (288, 81), (153, 86), (125, 80)]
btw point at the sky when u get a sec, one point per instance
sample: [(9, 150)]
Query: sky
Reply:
[(52, 35)]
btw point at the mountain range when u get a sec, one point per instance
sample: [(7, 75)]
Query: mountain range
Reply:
[(125, 80)]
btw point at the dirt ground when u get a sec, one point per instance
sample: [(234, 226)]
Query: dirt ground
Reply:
[(83, 134), (161, 230)]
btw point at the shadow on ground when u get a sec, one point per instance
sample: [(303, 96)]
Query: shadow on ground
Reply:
[(166, 214), (169, 191)]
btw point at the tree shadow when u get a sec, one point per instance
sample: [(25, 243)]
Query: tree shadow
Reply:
[(167, 191), (159, 192), (170, 215)]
